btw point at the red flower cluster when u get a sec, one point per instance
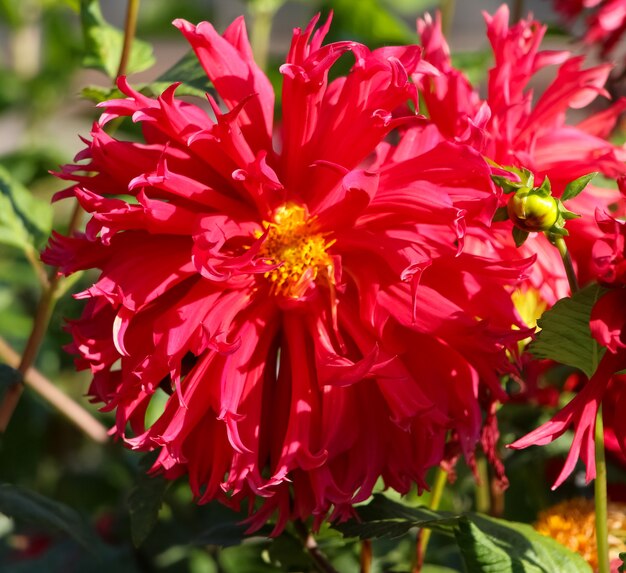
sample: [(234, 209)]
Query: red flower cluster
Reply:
[(514, 127), (301, 297), (605, 22)]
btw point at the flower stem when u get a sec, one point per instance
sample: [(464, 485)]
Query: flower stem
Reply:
[(447, 8), (559, 243), (366, 556), (262, 12), (132, 10), (518, 11), (423, 536), (600, 499), (319, 559), (483, 496)]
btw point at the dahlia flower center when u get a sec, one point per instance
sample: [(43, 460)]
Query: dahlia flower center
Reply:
[(299, 252)]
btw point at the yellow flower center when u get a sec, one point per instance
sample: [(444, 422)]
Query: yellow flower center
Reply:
[(572, 523), (299, 251)]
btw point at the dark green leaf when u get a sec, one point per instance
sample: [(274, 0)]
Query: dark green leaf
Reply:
[(622, 567), (30, 507), (288, 553), (103, 44), (224, 527), (501, 214), (498, 546), (225, 534), (25, 221), (575, 187), (145, 501), (519, 236), (487, 544), (385, 518), (565, 336)]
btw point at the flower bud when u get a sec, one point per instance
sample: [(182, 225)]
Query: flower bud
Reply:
[(533, 210)]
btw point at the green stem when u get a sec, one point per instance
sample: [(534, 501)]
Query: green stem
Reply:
[(559, 243), (483, 497), (447, 8), (423, 537), (600, 497), (132, 10), (262, 12)]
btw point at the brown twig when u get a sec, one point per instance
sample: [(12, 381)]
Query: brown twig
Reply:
[(73, 411), (40, 325), (48, 296)]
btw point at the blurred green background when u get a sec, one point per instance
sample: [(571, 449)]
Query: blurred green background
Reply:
[(42, 112)]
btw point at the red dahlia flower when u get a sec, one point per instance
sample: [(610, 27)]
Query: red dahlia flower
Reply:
[(608, 326), (510, 129), (274, 295)]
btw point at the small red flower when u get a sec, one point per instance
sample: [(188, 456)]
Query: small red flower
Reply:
[(605, 20), (299, 297)]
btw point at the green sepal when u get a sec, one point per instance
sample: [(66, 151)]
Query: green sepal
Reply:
[(519, 236), (501, 214), (545, 189), (575, 187), (507, 185)]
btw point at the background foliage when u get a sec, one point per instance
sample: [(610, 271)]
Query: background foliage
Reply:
[(69, 503)]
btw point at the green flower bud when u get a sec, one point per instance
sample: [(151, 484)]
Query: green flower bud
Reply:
[(533, 210)]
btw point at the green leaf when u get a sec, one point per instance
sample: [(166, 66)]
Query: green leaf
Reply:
[(98, 94), (25, 221), (575, 187), (486, 544), (498, 546), (384, 518), (8, 377), (145, 500), (409, 7), (370, 21), (103, 44), (519, 236), (30, 507), (224, 527), (565, 335), (188, 71), (622, 567)]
